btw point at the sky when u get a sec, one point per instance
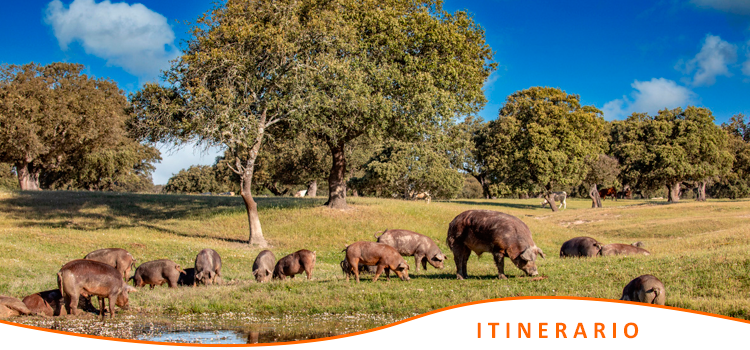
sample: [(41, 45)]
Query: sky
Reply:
[(622, 57)]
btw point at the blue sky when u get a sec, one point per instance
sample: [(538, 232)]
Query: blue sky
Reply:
[(622, 57)]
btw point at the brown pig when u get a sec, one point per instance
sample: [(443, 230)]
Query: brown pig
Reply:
[(623, 249), (156, 273), (501, 234), (645, 289), (10, 306), (410, 243), (263, 266), (347, 269), (50, 302), (87, 278), (207, 267), (115, 257), (295, 263), (580, 246), (381, 255)]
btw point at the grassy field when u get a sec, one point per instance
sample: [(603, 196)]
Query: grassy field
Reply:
[(699, 250)]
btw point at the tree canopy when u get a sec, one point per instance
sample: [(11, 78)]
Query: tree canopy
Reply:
[(239, 75), (390, 70), (69, 130), (543, 139), (671, 147)]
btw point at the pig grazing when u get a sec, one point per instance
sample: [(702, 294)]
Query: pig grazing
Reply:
[(207, 267), (115, 257), (50, 302), (501, 234), (381, 255), (645, 289), (12, 307), (622, 249), (187, 279), (263, 266), (292, 264), (87, 278), (347, 269), (580, 246), (156, 273), (409, 243)]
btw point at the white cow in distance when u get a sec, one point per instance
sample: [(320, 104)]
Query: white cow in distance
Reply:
[(560, 198)]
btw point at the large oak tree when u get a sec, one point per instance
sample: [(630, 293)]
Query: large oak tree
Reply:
[(239, 76), (543, 139), (392, 69), (673, 146), (59, 125)]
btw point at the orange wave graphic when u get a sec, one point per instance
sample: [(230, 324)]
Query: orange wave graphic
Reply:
[(381, 327)]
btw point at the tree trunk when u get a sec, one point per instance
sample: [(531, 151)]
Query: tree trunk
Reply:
[(336, 180), (551, 200), (673, 192), (701, 191), (482, 178), (28, 178), (312, 188), (256, 232), (596, 201)]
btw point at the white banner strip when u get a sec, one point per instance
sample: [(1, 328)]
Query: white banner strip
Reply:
[(565, 322)]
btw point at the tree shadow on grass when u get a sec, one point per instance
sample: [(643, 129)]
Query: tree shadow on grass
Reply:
[(91, 211), (499, 204), (452, 276)]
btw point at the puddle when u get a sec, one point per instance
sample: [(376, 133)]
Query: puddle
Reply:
[(231, 337), (207, 337)]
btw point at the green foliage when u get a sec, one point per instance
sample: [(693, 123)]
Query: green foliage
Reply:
[(8, 177), (404, 170), (673, 146), (469, 153), (603, 170), (736, 183), (392, 70), (542, 140), (195, 179), (59, 126)]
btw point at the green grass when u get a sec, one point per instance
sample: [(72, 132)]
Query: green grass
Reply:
[(699, 250)]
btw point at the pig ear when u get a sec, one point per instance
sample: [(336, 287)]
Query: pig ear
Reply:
[(403, 266), (255, 273), (540, 252), (268, 272), (528, 254)]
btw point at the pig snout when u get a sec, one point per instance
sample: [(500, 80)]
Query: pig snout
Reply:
[(531, 270)]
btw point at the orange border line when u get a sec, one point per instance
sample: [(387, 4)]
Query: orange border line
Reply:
[(377, 328)]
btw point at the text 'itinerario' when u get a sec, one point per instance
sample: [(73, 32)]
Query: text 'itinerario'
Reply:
[(557, 330)]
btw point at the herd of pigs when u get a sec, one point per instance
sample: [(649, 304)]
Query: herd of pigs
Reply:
[(104, 273)]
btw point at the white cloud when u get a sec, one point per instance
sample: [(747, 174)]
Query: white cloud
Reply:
[(739, 7), (649, 97), (746, 65), (713, 60), (129, 36)]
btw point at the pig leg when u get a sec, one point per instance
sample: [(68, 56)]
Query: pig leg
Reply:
[(111, 307), (424, 263), (461, 257), (500, 263), (354, 263), (172, 282), (378, 272), (387, 274), (417, 259), (308, 271), (101, 307)]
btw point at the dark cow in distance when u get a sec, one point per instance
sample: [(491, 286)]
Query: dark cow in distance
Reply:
[(500, 234), (608, 192)]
